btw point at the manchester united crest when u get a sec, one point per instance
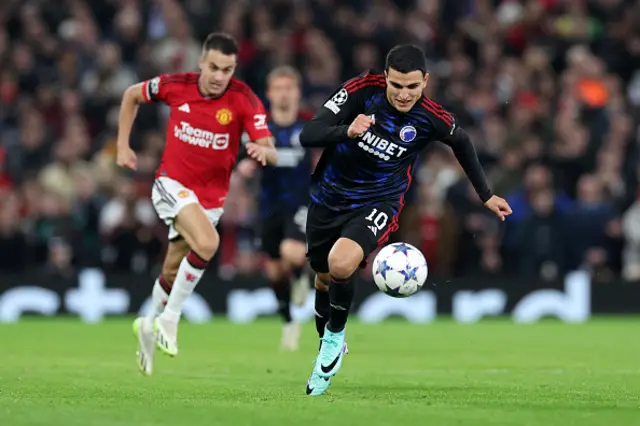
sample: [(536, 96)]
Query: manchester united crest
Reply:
[(224, 116)]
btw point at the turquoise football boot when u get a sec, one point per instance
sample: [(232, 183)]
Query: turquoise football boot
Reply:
[(317, 385), (332, 350)]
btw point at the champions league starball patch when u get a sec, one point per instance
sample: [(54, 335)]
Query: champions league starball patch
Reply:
[(408, 133)]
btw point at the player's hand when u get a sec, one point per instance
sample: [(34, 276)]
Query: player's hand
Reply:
[(360, 125), (127, 158), (246, 168), (499, 206), (257, 152)]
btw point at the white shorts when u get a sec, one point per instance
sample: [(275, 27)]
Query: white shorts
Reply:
[(169, 197)]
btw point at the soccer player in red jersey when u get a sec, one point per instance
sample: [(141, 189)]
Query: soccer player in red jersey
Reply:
[(209, 112)]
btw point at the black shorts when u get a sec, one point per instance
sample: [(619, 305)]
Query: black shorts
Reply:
[(280, 227), (369, 226)]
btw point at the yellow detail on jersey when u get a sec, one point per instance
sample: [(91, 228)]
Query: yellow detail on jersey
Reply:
[(224, 116)]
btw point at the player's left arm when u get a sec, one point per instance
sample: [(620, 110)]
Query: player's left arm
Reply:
[(467, 156), (261, 147)]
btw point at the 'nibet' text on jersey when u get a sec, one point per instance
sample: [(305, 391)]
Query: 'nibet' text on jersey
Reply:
[(380, 147)]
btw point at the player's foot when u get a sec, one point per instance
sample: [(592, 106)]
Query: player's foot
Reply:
[(143, 330), (290, 336), (331, 353), (317, 385), (300, 290), (166, 335)]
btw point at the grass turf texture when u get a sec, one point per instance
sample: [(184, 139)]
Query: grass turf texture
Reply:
[(61, 372)]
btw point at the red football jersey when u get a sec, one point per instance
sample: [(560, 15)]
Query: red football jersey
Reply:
[(203, 134)]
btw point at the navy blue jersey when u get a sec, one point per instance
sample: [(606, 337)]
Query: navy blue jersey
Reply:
[(376, 166), (285, 187)]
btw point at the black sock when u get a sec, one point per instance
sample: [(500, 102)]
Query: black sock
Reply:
[(282, 290), (340, 297), (322, 311)]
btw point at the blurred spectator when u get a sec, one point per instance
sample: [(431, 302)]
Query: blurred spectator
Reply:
[(13, 242), (548, 90), (631, 230), (542, 238), (126, 224), (591, 227), (537, 178)]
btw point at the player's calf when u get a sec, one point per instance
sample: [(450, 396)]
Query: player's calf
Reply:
[(293, 255), (200, 235), (279, 281), (160, 295), (321, 306), (278, 278), (176, 251), (344, 259)]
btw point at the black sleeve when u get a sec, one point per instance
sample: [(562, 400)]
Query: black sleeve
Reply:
[(467, 156), (330, 124)]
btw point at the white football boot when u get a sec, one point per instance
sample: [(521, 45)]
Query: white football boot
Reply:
[(166, 335), (143, 330)]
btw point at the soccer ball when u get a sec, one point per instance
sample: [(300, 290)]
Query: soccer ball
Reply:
[(399, 270)]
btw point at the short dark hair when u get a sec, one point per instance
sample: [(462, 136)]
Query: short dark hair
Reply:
[(221, 42), (406, 58)]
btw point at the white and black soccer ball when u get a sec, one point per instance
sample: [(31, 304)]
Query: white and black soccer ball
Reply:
[(399, 270)]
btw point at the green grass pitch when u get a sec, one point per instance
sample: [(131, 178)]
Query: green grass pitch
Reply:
[(58, 372)]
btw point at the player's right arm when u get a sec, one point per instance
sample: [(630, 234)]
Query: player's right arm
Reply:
[(339, 119), (135, 95)]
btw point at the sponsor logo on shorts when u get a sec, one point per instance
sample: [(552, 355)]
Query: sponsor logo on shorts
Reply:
[(183, 194)]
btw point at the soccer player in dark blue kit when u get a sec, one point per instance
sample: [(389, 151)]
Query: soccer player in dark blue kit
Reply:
[(284, 197), (372, 130)]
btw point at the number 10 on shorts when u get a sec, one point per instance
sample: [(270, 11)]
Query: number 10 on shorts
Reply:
[(378, 219)]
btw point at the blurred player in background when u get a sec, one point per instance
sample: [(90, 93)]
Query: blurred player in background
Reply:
[(284, 196), (372, 129), (209, 112)]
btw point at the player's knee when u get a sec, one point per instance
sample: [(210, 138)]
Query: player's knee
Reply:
[(345, 258), (322, 282), (274, 270), (342, 266), (206, 244), (293, 252)]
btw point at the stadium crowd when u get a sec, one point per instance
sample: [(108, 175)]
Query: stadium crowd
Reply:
[(548, 90)]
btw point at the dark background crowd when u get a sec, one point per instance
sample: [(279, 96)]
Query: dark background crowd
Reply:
[(549, 90)]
